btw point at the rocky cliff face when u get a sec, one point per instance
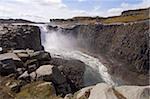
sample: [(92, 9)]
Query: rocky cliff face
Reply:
[(20, 37), (127, 43)]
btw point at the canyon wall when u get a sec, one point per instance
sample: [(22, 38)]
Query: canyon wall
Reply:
[(126, 43)]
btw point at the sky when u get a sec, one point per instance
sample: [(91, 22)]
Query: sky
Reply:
[(43, 10)]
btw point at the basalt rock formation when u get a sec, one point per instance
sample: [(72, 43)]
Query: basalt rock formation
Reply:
[(127, 43), (29, 72), (20, 37), (124, 46), (22, 71)]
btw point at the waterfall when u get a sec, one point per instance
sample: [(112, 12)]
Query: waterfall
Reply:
[(60, 45)]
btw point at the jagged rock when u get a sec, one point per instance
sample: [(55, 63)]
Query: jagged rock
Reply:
[(125, 47), (51, 73), (7, 67), (20, 71), (68, 96), (48, 73), (12, 56), (83, 93), (20, 37), (103, 91), (9, 63), (25, 76), (9, 56), (73, 70), (23, 54), (42, 57), (31, 65)]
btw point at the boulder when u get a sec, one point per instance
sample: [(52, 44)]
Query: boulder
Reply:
[(9, 62), (31, 65), (7, 67), (83, 93), (25, 76), (105, 91), (134, 92), (18, 62), (73, 70), (42, 57), (48, 73), (52, 74), (23, 54), (9, 56)]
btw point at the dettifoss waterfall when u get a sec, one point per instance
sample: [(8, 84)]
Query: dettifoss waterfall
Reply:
[(62, 46)]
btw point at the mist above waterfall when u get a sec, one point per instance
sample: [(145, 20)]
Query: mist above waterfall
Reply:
[(57, 40), (64, 46)]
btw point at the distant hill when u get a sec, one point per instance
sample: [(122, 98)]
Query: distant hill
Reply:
[(125, 17), (15, 21)]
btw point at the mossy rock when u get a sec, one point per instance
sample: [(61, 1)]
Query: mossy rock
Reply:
[(37, 90), (5, 93)]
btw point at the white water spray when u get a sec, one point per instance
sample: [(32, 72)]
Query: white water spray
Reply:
[(59, 45)]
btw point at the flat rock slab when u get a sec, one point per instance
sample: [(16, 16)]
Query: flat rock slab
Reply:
[(9, 56), (105, 91)]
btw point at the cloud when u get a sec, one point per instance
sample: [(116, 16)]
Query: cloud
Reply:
[(43, 10), (126, 6)]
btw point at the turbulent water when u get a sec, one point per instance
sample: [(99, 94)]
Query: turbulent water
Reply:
[(60, 45)]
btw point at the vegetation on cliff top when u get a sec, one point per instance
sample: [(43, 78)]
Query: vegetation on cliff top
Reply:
[(125, 17)]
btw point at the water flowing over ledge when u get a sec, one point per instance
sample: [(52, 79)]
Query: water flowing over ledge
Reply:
[(58, 44)]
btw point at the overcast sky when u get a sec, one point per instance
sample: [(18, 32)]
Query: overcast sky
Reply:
[(43, 10)]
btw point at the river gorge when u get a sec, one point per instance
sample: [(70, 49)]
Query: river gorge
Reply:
[(74, 61)]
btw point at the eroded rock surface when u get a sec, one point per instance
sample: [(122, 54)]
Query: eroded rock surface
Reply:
[(105, 91), (20, 37)]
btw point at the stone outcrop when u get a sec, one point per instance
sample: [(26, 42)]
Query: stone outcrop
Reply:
[(24, 67), (105, 91), (9, 62), (20, 37), (124, 46), (73, 70)]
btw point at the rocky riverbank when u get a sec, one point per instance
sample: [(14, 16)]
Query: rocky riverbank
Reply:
[(29, 72)]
